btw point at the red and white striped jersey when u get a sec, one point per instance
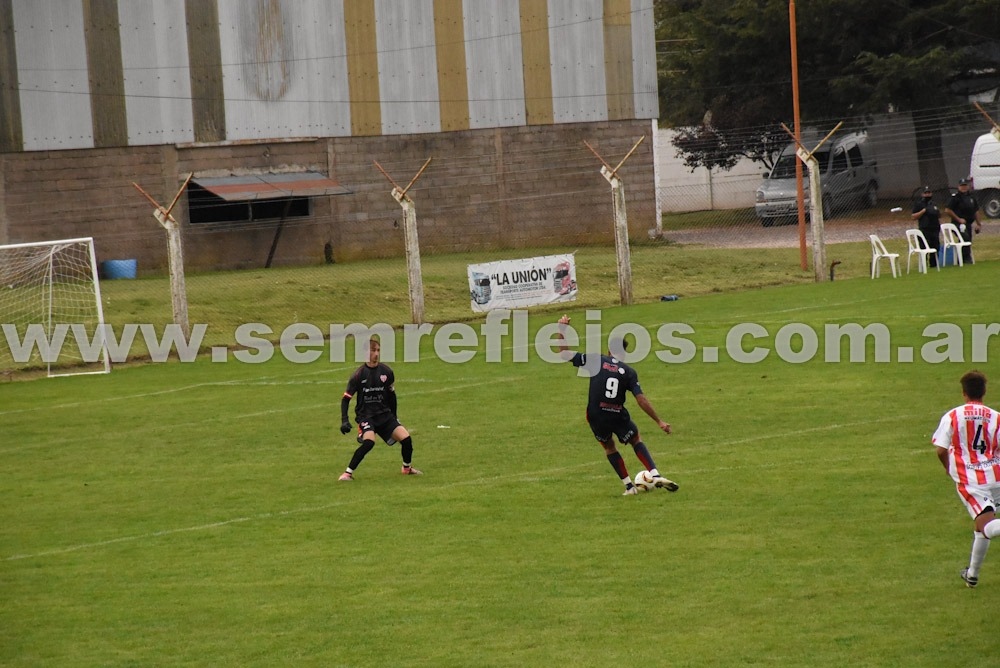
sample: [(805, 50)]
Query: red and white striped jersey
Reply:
[(970, 434)]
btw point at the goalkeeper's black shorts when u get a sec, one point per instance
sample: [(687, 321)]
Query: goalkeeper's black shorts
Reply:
[(382, 425)]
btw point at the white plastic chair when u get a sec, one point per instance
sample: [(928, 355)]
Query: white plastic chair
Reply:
[(918, 246), (953, 239), (879, 253)]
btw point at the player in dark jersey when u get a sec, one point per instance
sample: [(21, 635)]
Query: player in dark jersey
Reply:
[(610, 379), (375, 412)]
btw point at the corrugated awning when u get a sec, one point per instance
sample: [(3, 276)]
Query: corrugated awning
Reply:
[(271, 186)]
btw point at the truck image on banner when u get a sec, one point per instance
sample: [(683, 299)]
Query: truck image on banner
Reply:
[(511, 284)]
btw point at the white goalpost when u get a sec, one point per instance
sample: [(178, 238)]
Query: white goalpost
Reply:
[(51, 315)]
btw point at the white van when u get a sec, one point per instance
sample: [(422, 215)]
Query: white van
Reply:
[(984, 170), (849, 176)]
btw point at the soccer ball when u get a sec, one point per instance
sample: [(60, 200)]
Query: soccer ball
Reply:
[(644, 481)]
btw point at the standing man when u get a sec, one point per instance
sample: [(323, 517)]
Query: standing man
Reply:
[(967, 445), (928, 218), (375, 411), (606, 412), (964, 211)]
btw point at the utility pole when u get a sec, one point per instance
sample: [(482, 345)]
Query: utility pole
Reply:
[(800, 198)]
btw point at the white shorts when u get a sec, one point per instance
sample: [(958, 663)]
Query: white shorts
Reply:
[(978, 498)]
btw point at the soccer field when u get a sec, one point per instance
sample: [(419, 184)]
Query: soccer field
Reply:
[(189, 513)]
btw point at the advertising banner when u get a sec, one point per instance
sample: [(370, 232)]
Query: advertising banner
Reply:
[(513, 284)]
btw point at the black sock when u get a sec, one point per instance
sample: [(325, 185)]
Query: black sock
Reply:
[(359, 454), (406, 450)]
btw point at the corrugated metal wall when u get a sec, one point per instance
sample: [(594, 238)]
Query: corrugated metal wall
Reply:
[(494, 66), (54, 93), (157, 80), (407, 66), (576, 41), (103, 73), (284, 69), (644, 82)]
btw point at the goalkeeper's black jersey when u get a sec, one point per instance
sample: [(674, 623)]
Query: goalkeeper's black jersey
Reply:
[(374, 387)]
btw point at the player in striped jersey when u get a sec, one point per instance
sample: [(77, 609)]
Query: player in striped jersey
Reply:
[(607, 416), (966, 442)]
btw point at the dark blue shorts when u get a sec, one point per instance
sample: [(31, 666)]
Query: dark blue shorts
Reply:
[(606, 426)]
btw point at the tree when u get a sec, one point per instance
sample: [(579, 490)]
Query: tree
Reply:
[(725, 69)]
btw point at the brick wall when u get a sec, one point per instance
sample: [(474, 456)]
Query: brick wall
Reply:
[(495, 188)]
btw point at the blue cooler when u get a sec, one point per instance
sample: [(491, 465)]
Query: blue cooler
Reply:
[(947, 257)]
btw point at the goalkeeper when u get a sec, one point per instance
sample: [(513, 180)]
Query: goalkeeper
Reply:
[(375, 412)]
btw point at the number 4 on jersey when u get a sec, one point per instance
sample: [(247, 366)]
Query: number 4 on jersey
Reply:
[(978, 444)]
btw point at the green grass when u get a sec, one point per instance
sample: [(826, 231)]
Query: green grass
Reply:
[(376, 291), (189, 514)]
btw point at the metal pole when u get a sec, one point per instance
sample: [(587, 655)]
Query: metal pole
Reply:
[(798, 135)]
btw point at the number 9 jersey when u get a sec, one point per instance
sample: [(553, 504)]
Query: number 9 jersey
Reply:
[(610, 379)]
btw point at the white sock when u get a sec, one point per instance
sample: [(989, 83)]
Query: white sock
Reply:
[(992, 528), (980, 544), (654, 473)]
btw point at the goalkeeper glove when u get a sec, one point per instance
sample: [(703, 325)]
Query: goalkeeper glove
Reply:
[(345, 426)]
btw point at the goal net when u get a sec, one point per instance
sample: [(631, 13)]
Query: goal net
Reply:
[(50, 308)]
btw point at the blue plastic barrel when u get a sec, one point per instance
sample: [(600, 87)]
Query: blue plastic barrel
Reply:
[(112, 269)]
